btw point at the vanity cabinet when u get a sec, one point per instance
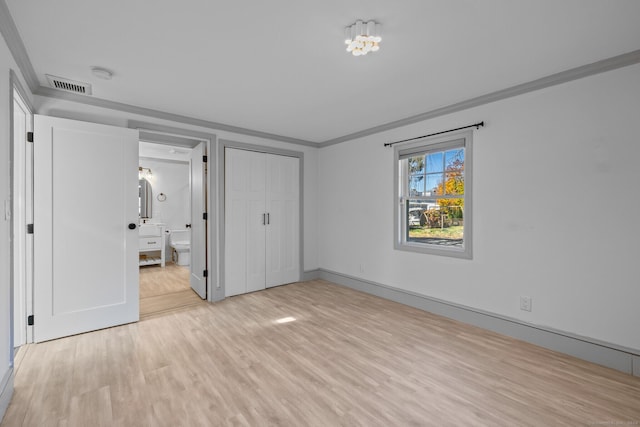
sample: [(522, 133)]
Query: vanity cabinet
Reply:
[(152, 244)]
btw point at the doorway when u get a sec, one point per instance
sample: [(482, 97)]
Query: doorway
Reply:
[(24, 291), (165, 207)]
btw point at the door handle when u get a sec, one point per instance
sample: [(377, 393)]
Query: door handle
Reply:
[(132, 226), (264, 221), (268, 220)]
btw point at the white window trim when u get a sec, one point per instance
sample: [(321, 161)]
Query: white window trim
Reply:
[(401, 177)]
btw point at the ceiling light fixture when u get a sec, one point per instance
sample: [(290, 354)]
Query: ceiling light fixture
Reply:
[(102, 73), (363, 37)]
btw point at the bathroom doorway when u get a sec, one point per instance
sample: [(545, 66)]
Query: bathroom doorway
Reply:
[(173, 244)]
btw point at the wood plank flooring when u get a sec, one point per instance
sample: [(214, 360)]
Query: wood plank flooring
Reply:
[(311, 354), (165, 289)]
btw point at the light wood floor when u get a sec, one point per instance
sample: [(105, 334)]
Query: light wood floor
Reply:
[(165, 289), (344, 359)]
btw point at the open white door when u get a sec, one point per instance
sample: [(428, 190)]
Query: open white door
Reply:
[(85, 227), (198, 222)]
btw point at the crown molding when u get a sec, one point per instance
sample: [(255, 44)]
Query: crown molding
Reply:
[(619, 61), (113, 105), (608, 64), (14, 42), (16, 47)]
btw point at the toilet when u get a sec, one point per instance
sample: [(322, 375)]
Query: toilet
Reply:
[(180, 242)]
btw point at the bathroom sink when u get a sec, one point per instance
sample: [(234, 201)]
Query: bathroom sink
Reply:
[(150, 230)]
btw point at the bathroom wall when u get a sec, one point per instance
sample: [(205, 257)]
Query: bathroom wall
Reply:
[(171, 178)]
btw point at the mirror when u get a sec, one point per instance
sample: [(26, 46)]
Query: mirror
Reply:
[(144, 198)]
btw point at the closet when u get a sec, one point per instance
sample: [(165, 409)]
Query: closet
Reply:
[(262, 220)]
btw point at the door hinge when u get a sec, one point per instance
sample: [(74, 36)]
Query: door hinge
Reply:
[(29, 136), (205, 273), (205, 216), (204, 159), (30, 320), (29, 228)]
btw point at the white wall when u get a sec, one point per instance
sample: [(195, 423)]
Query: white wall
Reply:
[(6, 64), (72, 110), (5, 285), (556, 210), (172, 179)]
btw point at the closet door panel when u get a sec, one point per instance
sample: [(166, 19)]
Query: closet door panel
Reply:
[(244, 229), (235, 245), (283, 228), (255, 245)]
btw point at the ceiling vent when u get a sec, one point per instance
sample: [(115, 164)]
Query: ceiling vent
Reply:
[(69, 85)]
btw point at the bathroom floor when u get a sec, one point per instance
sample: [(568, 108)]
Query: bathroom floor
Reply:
[(165, 290)]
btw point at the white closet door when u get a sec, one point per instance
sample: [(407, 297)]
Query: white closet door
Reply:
[(85, 221), (244, 221), (283, 224)]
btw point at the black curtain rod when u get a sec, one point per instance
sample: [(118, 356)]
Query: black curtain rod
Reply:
[(476, 125)]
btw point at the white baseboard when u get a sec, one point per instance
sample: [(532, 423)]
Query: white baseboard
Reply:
[(310, 275), (6, 391), (610, 355)]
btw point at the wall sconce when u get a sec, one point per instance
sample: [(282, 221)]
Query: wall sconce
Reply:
[(144, 172)]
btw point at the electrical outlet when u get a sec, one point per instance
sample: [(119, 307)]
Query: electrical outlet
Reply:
[(525, 303)]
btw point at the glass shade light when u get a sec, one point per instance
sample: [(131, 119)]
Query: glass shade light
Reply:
[(144, 172), (363, 37)]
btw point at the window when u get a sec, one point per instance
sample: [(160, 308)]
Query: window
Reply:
[(433, 190)]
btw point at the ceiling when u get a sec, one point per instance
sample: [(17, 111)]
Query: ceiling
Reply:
[(280, 66), (164, 152)]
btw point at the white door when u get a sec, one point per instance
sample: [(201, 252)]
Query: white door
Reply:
[(21, 216), (283, 220), (198, 223), (85, 227), (245, 218)]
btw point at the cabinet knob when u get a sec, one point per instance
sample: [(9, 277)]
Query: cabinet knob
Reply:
[(132, 226)]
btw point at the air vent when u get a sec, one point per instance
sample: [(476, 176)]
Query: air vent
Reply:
[(69, 85)]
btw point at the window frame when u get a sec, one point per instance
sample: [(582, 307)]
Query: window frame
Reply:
[(423, 146)]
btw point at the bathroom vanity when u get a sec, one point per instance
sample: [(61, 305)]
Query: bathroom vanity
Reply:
[(152, 244)]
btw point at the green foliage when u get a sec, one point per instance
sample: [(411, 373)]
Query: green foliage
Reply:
[(453, 184), (416, 164), (453, 232)]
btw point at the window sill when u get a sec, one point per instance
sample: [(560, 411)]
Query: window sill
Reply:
[(455, 252)]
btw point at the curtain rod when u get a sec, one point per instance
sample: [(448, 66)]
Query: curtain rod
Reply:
[(476, 125)]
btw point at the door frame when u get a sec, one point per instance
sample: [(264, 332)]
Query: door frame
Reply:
[(222, 145), (155, 133), (18, 315)]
